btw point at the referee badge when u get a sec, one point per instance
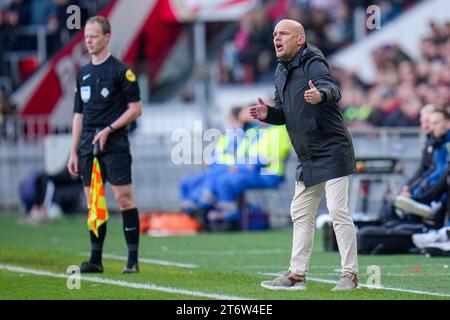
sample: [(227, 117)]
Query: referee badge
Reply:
[(130, 75), (104, 93), (85, 92)]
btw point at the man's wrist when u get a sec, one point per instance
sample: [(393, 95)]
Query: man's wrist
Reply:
[(111, 128)]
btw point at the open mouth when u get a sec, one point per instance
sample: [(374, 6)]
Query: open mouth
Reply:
[(278, 47)]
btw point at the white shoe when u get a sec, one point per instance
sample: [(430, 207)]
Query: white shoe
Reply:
[(421, 240), (441, 249), (412, 206)]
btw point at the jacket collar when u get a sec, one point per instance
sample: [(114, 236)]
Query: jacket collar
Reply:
[(446, 137), (302, 55), (439, 141)]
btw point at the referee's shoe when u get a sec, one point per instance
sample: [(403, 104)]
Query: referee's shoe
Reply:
[(89, 267), (131, 269)]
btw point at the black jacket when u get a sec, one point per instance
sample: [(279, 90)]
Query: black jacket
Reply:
[(318, 134), (426, 162)]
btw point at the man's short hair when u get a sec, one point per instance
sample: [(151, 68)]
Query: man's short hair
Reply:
[(102, 21), (443, 112), (428, 108)]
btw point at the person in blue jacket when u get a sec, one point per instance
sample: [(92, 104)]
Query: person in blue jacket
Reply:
[(423, 189), (192, 188), (263, 167)]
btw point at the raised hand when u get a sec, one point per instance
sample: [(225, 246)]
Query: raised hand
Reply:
[(259, 111)]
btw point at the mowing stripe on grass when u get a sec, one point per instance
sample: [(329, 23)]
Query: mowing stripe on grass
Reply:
[(366, 286), (136, 285), (406, 265), (246, 252), (149, 261)]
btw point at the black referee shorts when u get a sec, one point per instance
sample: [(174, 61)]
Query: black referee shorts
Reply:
[(115, 159)]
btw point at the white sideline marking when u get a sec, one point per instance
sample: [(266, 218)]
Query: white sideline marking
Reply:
[(364, 285), (150, 261), (121, 283)]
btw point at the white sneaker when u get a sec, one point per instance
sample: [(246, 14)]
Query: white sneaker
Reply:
[(421, 240), (412, 206), (441, 249)]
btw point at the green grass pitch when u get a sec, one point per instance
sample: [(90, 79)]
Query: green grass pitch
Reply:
[(34, 259)]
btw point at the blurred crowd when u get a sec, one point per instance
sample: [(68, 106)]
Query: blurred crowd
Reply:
[(329, 25), (20, 19), (401, 86), (20, 23)]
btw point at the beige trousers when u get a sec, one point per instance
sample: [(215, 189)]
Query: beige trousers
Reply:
[(303, 213)]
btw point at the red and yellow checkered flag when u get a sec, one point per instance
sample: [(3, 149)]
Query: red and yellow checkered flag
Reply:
[(97, 211)]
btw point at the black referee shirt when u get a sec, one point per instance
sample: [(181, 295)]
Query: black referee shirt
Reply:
[(103, 92)]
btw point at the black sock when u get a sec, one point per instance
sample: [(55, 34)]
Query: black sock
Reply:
[(97, 244), (131, 231), (202, 216)]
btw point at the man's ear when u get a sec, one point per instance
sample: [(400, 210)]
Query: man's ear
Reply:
[(301, 39)]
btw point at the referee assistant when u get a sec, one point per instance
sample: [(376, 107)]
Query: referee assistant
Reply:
[(107, 99)]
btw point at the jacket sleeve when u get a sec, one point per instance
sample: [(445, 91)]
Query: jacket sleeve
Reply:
[(417, 176), (275, 115), (435, 191), (319, 74)]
